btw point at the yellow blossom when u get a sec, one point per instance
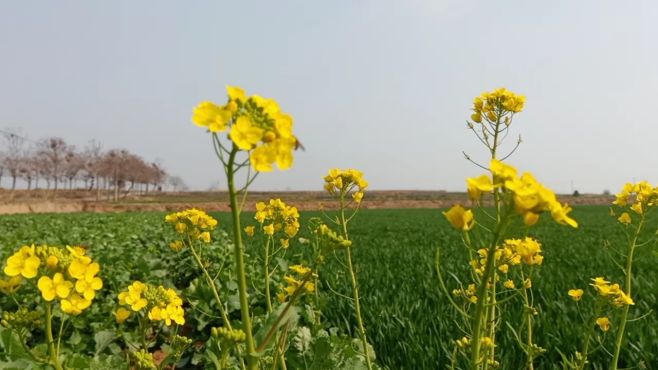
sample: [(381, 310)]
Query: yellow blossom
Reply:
[(244, 134), (603, 323), (479, 185), (121, 315), (249, 230), (460, 218), (24, 262), (575, 294), (625, 218), (58, 286)]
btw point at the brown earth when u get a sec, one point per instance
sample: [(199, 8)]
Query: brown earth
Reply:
[(82, 201)]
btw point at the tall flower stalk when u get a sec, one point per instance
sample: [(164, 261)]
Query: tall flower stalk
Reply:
[(259, 135), (638, 200), (348, 187), (511, 196)]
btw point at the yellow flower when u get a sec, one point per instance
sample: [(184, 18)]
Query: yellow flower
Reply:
[(24, 262), (74, 304), (479, 185), (204, 236), (89, 283), (249, 230), (176, 245), (487, 342), (637, 208), (244, 134), (10, 285), (121, 315), (460, 218), (236, 93), (212, 116), (262, 157), (625, 218), (55, 287), (575, 294), (502, 172), (603, 323), (51, 262), (285, 243), (133, 296), (509, 284), (269, 229)]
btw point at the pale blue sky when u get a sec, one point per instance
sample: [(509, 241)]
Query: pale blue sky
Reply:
[(383, 86)]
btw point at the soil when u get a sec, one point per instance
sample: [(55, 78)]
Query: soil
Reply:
[(82, 201)]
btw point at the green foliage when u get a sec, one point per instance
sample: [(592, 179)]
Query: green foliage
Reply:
[(408, 321)]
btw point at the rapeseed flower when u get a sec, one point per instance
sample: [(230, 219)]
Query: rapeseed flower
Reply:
[(348, 182), (460, 218), (24, 262), (575, 294), (256, 125), (603, 323)]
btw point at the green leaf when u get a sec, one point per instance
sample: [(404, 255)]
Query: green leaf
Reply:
[(273, 323), (103, 339)]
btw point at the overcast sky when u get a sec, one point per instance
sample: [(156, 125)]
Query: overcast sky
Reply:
[(382, 86)]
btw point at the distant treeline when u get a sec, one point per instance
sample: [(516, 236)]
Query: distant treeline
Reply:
[(53, 164)]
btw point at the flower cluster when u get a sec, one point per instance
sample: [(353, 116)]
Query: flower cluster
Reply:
[(276, 216), (331, 238), (496, 105), (68, 275), (346, 182), (513, 252), (194, 223), (529, 196), (637, 198), (255, 124), (162, 304), (293, 283), (612, 293), (469, 293)]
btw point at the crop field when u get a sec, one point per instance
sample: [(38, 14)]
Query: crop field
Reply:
[(408, 319)]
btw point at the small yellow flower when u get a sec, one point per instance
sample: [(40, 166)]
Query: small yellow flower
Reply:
[(245, 134), (637, 208), (460, 218), (603, 323), (250, 230), (176, 245), (51, 262), (24, 262), (74, 304), (487, 342), (509, 284), (269, 229), (55, 287), (479, 185), (121, 315), (625, 218), (575, 294)]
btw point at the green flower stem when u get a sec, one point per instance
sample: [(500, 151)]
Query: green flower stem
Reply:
[(590, 331), (252, 358), (627, 287), (482, 294), (52, 351), (212, 284), (528, 317), (266, 271), (293, 298), (355, 288)]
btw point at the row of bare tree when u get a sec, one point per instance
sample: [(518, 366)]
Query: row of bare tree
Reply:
[(111, 174)]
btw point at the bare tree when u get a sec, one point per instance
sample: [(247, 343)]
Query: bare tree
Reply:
[(54, 151), (13, 154)]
